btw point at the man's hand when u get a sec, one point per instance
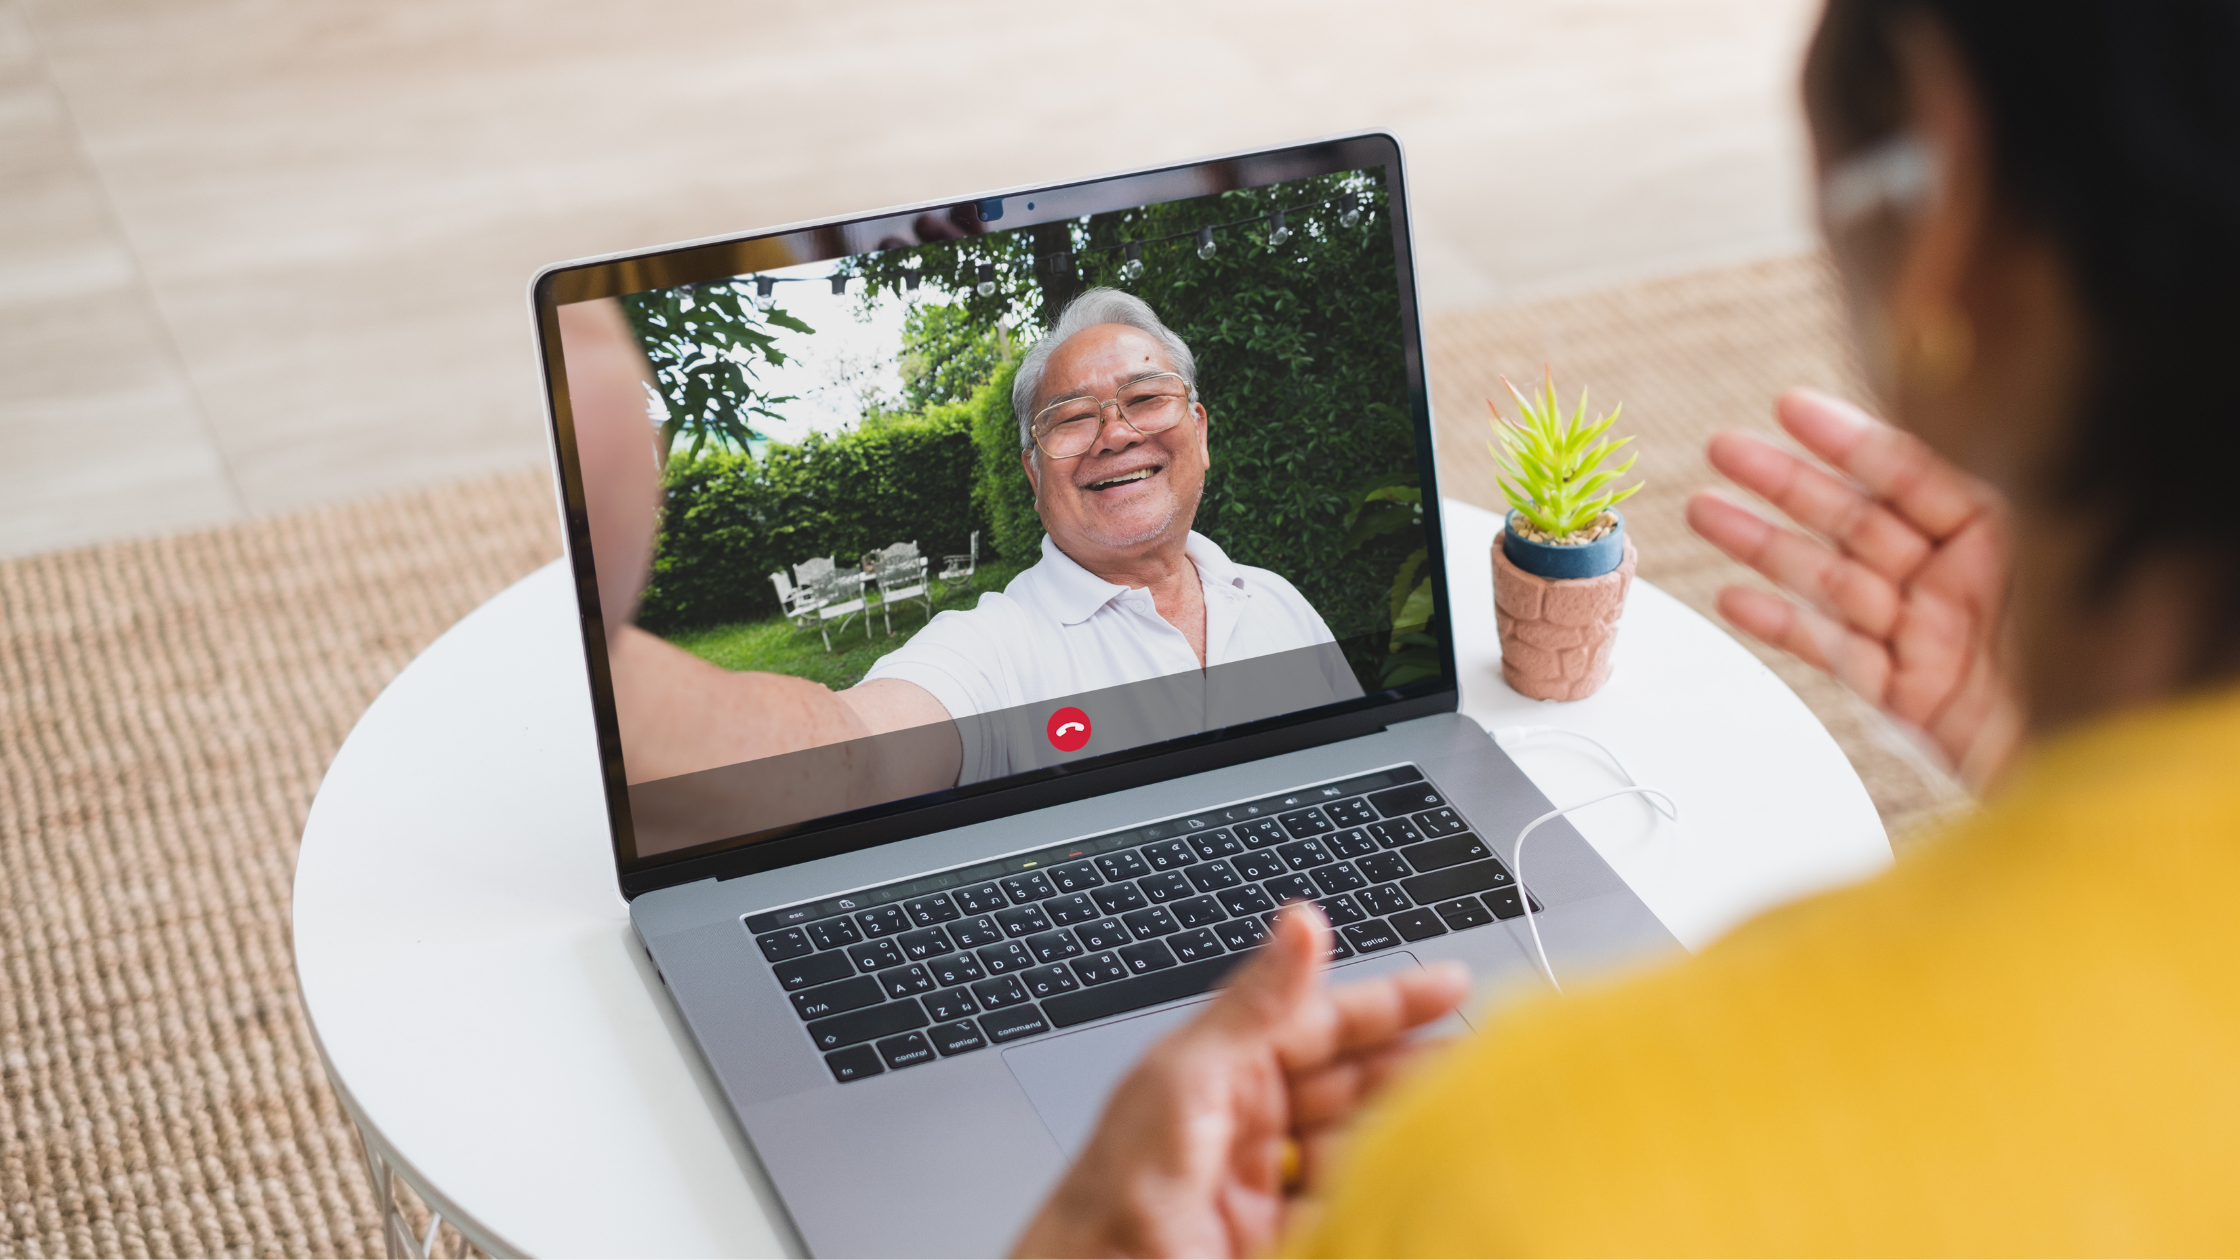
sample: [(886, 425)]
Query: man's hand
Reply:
[(1902, 599), (1189, 1158)]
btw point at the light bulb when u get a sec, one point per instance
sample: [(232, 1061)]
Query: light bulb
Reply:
[(1205, 242), (910, 280), (987, 285), (764, 285), (1349, 211), (1277, 232), (1133, 268), (839, 285)]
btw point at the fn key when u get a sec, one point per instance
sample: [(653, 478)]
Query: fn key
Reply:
[(854, 1063)]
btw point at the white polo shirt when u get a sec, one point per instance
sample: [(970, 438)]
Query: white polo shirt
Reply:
[(1059, 630)]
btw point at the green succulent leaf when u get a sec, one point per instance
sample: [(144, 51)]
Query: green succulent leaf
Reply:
[(1554, 469)]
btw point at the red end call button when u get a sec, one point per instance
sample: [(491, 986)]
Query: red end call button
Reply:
[(1068, 730)]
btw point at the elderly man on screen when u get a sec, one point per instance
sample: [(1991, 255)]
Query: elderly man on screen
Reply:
[(1113, 440)]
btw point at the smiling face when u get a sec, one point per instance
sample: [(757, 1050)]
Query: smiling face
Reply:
[(1129, 496)]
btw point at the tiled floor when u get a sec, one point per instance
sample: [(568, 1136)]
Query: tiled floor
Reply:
[(258, 255)]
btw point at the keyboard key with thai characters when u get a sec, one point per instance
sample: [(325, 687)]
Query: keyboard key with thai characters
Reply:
[(981, 899), (1032, 886), (832, 999), (1070, 909), (1049, 981), (1116, 898), (951, 1004), (1239, 934), (1246, 900), (924, 943), (1194, 945), (1219, 843), (1123, 865), (1340, 910), (1353, 812), (1005, 958), (1198, 912), (1307, 822), (1155, 921), (800, 973), (1101, 968), (1305, 855), (1167, 886), (883, 921), (1104, 934), (1214, 876), (954, 969), (1075, 877), (780, 946), (1051, 947), (854, 1063), (1419, 923), (927, 911), (1289, 888), (906, 981), (1258, 866), (1383, 868), (975, 932), (1262, 832), (997, 992), (1440, 822), (1023, 921), (1011, 1025), (875, 955), (1436, 855), (1353, 842), (1169, 855), (864, 1025), (1382, 899), (956, 1038), (833, 933), (1394, 832), (1341, 878)]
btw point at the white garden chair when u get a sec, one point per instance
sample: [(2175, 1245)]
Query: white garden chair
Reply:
[(959, 569), (799, 602), (902, 576), (839, 594)]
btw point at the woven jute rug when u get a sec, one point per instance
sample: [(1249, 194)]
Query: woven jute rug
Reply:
[(167, 708)]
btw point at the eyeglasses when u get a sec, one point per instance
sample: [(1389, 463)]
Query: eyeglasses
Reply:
[(1153, 404)]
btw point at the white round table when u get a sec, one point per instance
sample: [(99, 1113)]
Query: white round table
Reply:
[(504, 1047)]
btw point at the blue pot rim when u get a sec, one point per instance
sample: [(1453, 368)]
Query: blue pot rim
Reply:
[(1561, 564)]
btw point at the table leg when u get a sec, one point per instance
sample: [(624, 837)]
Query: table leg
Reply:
[(396, 1224)]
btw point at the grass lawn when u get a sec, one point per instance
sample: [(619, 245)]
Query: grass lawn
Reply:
[(777, 646)]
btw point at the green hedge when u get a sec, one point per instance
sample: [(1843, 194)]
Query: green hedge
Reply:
[(1006, 496), (728, 522)]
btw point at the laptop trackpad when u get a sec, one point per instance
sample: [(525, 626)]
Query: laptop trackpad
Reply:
[(1068, 1078)]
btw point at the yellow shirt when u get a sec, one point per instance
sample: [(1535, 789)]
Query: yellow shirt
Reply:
[(2022, 1039)]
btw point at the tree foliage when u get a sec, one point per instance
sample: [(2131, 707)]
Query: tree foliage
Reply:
[(704, 341)]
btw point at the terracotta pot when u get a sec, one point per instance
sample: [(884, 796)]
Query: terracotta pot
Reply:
[(1558, 635)]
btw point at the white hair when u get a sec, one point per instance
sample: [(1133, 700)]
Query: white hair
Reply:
[(1091, 308)]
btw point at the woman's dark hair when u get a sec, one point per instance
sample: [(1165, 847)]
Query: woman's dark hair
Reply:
[(2115, 126)]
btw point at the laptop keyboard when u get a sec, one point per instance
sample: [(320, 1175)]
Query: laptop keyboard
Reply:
[(1008, 949)]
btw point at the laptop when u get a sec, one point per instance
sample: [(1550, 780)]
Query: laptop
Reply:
[(1001, 606)]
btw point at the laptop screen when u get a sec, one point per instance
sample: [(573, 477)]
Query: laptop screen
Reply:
[(951, 501)]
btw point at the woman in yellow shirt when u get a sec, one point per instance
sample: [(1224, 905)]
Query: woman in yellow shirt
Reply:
[(2024, 1038)]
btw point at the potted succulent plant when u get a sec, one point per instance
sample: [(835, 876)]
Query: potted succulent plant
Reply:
[(1563, 561)]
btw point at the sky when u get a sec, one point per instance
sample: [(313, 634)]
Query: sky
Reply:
[(851, 357)]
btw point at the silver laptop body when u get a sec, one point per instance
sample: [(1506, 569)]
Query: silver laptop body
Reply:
[(917, 1009)]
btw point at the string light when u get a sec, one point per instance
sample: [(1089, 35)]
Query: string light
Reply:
[(1205, 242), (1349, 211), (910, 280), (987, 285), (839, 285), (764, 286), (1277, 232), (1133, 268)]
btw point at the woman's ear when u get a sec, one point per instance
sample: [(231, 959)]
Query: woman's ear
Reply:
[(1933, 326)]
